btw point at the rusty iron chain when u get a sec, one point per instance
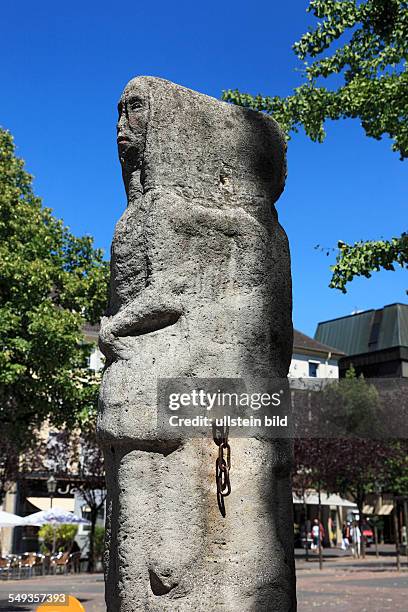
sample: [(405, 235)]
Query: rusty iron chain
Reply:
[(222, 466)]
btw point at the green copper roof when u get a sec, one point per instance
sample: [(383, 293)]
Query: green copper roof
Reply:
[(363, 332)]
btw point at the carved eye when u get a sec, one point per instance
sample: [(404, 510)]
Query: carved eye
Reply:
[(135, 103)]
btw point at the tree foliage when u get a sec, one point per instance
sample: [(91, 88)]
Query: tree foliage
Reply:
[(92, 481), (364, 257), (352, 467), (51, 282), (20, 453), (353, 459), (9, 464), (397, 469), (63, 535), (371, 62), (99, 545), (75, 456), (351, 408), (361, 49)]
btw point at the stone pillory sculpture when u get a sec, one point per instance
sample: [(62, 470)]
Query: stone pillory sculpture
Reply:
[(200, 287)]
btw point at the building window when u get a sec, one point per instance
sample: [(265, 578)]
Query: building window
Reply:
[(313, 366)]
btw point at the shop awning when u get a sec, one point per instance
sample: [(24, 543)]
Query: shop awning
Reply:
[(326, 500), (385, 509), (44, 503)]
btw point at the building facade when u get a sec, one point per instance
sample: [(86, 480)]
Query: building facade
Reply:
[(313, 359), (374, 342), (29, 493)]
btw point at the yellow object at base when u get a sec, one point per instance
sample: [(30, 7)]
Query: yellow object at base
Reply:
[(71, 605)]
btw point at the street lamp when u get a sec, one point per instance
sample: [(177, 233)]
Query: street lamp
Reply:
[(51, 487)]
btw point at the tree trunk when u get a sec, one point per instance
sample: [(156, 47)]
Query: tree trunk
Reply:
[(320, 535), (406, 527), (376, 540), (396, 531), (306, 543), (91, 554), (360, 505)]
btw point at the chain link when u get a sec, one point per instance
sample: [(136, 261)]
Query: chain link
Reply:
[(222, 466)]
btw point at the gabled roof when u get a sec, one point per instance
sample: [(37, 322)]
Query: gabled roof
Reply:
[(363, 332), (303, 343)]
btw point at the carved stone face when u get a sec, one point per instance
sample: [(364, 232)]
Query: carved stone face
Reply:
[(131, 128)]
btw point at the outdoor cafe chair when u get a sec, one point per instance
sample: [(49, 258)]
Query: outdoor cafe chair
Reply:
[(9, 566), (6, 565), (66, 562), (30, 563), (59, 563)]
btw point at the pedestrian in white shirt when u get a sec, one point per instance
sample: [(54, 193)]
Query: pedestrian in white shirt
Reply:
[(355, 535)]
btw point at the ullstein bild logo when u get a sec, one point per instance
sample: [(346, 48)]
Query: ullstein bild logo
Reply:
[(193, 407), (228, 421)]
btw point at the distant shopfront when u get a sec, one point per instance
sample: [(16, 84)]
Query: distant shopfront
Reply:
[(30, 495)]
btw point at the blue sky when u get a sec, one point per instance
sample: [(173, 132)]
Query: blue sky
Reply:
[(64, 66)]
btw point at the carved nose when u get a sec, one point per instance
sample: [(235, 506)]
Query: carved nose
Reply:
[(121, 122)]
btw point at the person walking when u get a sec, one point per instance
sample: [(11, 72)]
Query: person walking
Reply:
[(331, 529), (315, 536), (345, 537), (355, 540)]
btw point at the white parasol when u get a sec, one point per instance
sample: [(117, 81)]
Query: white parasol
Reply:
[(7, 519), (55, 516)]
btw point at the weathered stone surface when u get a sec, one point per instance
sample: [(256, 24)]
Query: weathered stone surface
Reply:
[(200, 287)]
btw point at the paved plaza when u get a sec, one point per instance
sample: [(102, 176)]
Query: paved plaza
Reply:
[(344, 585)]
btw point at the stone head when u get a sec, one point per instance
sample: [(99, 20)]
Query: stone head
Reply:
[(132, 122), (173, 138)]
